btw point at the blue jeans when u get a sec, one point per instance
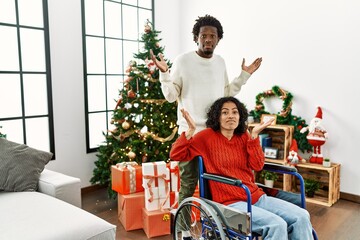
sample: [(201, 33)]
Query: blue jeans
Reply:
[(277, 219), (294, 198)]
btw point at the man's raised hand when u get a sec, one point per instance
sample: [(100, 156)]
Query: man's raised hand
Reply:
[(160, 64), (253, 67)]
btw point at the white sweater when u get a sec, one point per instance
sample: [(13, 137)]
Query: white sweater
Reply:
[(196, 83)]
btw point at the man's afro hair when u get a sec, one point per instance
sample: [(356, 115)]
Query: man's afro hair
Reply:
[(207, 20)]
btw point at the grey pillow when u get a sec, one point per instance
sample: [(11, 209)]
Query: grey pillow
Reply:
[(20, 166)]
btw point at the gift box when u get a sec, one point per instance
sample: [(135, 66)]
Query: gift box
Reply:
[(126, 178), (157, 198), (155, 174), (174, 176), (156, 223), (174, 200), (156, 182), (130, 210)]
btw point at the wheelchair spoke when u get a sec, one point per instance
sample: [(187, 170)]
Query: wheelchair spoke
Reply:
[(191, 217)]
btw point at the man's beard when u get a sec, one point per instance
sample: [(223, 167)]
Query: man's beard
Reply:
[(208, 52)]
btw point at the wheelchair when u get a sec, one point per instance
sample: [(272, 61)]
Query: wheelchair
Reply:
[(213, 221)]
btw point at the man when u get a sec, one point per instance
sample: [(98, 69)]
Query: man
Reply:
[(197, 79)]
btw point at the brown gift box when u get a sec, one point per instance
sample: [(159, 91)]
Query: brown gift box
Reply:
[(129, 210), (156, 223), (122, 180)]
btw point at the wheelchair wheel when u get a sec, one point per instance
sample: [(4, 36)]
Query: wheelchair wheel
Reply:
[(196, 216)]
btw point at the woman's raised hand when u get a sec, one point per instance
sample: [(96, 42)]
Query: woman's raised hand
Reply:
[(191, 123), (259, 127)]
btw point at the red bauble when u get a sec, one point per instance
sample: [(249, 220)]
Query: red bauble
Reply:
[(131, 94)]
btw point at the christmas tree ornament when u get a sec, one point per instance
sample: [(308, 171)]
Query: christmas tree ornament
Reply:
[(147, 28), (294, 158), (131, 94), (131, 155), (316, 136), (125, 125), (118, 103)]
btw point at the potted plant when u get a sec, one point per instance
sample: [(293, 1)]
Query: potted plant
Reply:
[(2, 135), (311, 186), (269, 178), (326, 162)]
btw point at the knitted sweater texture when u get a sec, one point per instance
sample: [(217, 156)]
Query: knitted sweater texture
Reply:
[(236, 158), (195, 83)]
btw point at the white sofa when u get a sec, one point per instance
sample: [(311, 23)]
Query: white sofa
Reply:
[(53, 212)]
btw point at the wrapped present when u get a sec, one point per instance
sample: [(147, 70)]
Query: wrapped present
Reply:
[(174, 176), (174, 199), (157, 198), (156, 182), (126, 178), (130, 210), (155, 174), (156, 223)]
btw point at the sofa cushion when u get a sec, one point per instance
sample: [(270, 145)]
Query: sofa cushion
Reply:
[(35, 216), (20, 166)]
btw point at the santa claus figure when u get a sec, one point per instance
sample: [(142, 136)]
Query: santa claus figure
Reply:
[(316, 137), (294, 157)]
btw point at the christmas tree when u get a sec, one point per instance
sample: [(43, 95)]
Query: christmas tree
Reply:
[(143, 122)]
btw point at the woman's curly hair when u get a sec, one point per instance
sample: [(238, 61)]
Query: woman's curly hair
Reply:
[(213, 115), (207, 20)]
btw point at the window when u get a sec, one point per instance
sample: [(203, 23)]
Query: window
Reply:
[(25, 81), (111, 35)]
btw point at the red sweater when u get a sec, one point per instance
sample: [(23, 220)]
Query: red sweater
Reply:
[(236, 158)]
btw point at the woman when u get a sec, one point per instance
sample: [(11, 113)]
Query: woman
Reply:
[(228, 148)]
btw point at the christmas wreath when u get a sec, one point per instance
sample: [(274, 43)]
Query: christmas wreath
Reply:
[(284, 116)]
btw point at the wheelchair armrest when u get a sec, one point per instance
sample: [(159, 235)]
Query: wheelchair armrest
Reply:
[(222, 179), (280, 168)]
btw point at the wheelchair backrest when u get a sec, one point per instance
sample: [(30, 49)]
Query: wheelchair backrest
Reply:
[(204, 189)]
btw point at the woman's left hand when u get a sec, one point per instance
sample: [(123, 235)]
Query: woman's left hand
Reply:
[(259, 127)]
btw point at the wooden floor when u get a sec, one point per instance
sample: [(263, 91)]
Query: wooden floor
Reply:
[(341, 221)]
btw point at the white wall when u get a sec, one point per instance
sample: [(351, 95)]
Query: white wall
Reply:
[(68, 91), (309, 48)]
